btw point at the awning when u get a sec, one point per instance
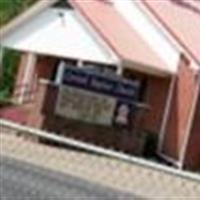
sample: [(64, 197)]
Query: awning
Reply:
[(58, 32)]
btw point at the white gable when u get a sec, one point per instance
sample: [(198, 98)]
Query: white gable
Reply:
[(140, 22), (51, 34)]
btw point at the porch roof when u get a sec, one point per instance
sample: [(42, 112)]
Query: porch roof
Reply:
[(126, 42), (182, 19), (58, 32)]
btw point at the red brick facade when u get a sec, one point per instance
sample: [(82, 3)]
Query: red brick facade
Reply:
[(19, 77), (158, 89), (180, 110), (42, 113), (192, 158)]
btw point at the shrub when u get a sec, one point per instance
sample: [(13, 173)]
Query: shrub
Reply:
[(10, 63), (150, 146)]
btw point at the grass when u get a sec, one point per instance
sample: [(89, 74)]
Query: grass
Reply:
[(8, 10)]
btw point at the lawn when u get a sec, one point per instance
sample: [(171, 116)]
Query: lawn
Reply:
[(8, 10)]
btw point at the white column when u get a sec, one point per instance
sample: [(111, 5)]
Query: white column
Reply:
[(80, 64), (28, 73), (166, 114), (59, 75), (119, 70)]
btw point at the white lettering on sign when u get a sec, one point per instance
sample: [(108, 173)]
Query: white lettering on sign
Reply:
[(79, 79), (101, 85)]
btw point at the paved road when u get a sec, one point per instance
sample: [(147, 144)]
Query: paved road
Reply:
[(22, 181)]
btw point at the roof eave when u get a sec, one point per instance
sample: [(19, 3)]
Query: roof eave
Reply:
[(145, 68), (171, 32), (25, 16)]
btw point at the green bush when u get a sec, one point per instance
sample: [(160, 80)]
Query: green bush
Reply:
[(10, 64), (151, 140), (10, 8)]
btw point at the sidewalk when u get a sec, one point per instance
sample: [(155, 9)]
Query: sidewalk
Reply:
[(106, 171)]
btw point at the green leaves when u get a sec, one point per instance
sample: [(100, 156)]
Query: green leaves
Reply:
[(10, 8), (10, 62)]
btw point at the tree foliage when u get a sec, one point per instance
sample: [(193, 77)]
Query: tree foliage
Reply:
[(10, 63), (8, 10), (11, 8)]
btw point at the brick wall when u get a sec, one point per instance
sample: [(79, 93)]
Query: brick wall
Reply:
[(27, 88), (44, 117), (157, 94), (155, 97), (44, 69), (19, 76), (43, 113), (45, 66), (182, 100), (192, 159)]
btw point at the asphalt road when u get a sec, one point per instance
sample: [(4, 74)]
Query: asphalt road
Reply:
[(23, 181)]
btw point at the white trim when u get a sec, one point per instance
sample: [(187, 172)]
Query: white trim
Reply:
[(169, 36), (46, 35), (46, 82), (34, 10), (29, 69), (59, 75), (102, 44), (131, 12), (147, 69), (171, 160), (166, 114), (190, 123), (80, 64), (120, 70), (99, 150)]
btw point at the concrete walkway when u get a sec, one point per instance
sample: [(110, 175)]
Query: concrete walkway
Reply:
[(117, 174)]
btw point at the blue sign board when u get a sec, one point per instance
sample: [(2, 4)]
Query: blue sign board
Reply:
[(124, 91), (106, 84)]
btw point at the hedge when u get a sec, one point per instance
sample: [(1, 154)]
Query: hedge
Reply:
[(10, 63)]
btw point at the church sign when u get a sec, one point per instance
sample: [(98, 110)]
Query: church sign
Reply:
[(96, 98)]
